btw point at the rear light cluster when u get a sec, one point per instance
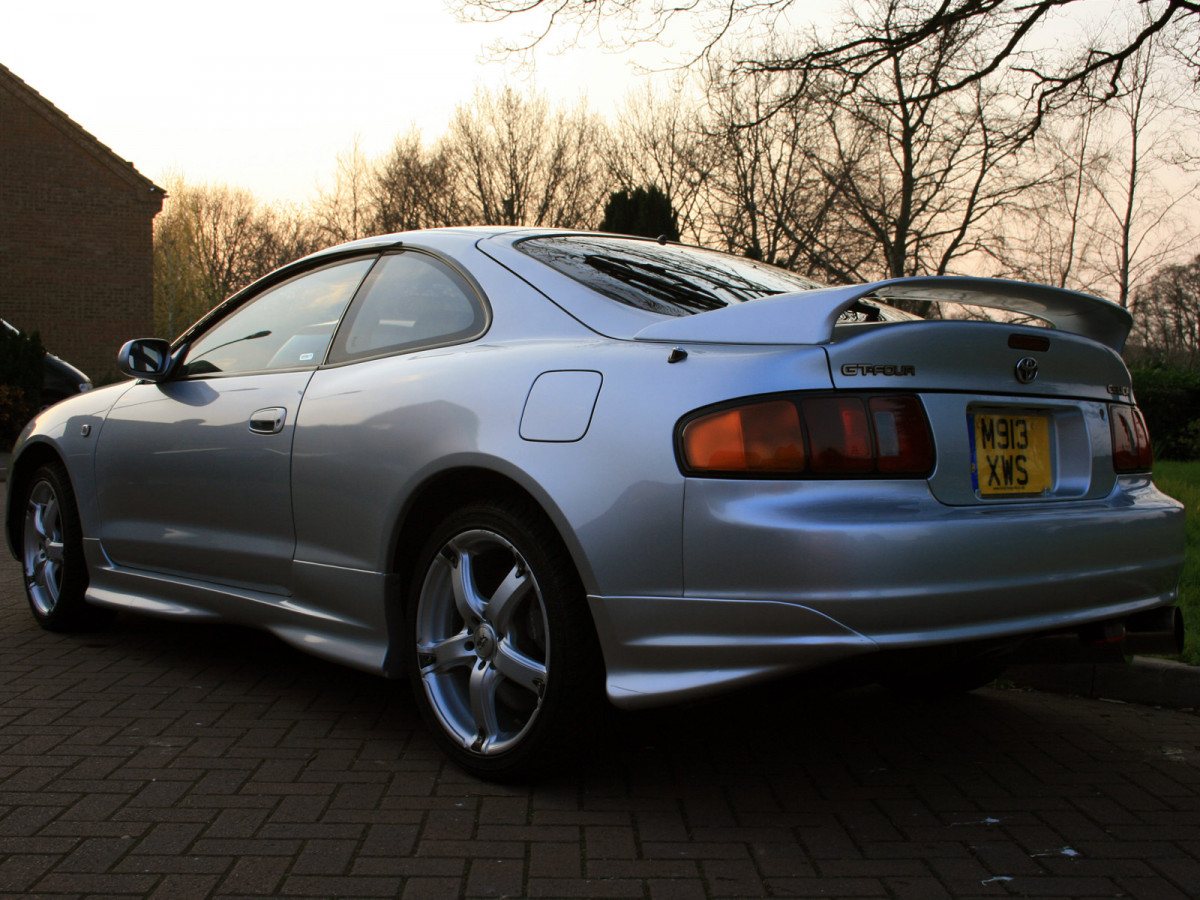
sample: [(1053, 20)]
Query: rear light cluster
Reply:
[(822, 435), (1130, 439)]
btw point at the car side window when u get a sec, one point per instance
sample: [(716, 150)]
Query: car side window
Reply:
[(409, 300), (287, 326)]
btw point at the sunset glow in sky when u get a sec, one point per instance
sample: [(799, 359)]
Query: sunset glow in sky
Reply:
[(264, 95)]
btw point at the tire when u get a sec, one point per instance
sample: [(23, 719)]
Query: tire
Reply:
[(52, 561), (502, 652)]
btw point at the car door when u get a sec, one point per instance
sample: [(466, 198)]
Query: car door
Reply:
[(193, 473)]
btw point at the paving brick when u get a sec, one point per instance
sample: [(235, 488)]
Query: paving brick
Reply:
[(355, 885), (609, 842), (307, 780), (175, 887), (470, 849), (677, 889), (432, 889), (19, 871), (95, 855), (95, 883), (495, 878), (325, 857), (588, 888), (408, 867), (642, 868), (167, 837), (555, 860), (827, 887), (909, 888), (448, 825), (391, 839), (256, 875)]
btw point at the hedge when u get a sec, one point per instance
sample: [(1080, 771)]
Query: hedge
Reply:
[(21, 374), (1169, 397)]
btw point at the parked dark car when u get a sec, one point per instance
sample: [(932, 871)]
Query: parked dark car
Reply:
[(60, 379)]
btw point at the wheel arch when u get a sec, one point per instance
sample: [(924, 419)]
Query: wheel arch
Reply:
[(443, 492), (449, 488), (32, 456)]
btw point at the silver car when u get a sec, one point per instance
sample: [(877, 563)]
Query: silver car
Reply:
[(532, 470)]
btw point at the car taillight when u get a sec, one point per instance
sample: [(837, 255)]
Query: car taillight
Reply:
[(1130, 439), (842, 435), (759, 437)]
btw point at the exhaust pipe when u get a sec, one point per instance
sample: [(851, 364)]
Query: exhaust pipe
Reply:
[(1072, 647), (1157, 632)]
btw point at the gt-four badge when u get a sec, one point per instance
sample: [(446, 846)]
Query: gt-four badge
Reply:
[(873, 369)]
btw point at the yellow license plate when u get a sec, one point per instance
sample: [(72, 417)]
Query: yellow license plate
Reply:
[(1011, 454)]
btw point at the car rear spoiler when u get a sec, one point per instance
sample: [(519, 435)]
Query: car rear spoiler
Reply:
[(808, 317)]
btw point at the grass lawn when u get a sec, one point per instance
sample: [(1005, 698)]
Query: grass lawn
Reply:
[(1182, 481)]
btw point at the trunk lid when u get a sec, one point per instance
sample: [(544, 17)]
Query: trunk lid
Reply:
[(975, 357)]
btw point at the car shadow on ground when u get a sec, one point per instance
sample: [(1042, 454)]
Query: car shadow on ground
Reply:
[(818, 738)]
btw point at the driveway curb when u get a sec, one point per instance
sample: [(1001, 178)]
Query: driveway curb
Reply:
[(1145, 680)]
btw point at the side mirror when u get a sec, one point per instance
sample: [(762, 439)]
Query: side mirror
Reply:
[(148, 359)]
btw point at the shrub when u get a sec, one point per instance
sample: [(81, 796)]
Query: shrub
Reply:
[(22, 369), (1169, 397)]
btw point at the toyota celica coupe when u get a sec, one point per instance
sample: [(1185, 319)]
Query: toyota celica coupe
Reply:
[(537, 471)]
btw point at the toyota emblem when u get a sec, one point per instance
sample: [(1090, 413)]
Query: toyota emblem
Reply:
[(1027, 370)]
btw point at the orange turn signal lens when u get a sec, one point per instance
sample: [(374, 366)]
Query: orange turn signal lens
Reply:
[(761, 437)]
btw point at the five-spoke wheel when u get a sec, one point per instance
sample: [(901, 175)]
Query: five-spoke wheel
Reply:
[(504, 655), (52, 554), (43, 548)]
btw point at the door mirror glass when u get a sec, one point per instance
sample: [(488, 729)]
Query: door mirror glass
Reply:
[(146, 358)]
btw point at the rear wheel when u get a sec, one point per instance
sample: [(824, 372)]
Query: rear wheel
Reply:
[(56, 576), (503, 655)]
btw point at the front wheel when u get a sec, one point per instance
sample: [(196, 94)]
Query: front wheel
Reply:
[(503, 654), (56, 576)]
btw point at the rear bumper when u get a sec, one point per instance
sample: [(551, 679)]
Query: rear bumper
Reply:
[(786, 577)]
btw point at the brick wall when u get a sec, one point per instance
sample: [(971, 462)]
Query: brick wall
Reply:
[(75, 237)]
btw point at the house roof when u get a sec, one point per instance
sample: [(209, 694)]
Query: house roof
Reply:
[(76, 134)]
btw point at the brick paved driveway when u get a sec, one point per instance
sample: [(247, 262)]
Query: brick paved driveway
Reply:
[(179, 761)]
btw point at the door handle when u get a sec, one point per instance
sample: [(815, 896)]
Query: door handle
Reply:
[(268, 421)]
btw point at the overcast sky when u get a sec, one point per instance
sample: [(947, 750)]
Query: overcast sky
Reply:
[(263, 94)]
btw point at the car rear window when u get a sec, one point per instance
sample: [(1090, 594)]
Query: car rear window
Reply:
[(667, 279)]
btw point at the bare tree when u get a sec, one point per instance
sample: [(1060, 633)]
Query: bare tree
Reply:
[(658, 139), (767, 196), (1137, 210), (414, 188), (518, 162), (1049, 232), (349, 210), (1167, 325), (1012, 25), (853, 180), (212, 240), (1115, 209)]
